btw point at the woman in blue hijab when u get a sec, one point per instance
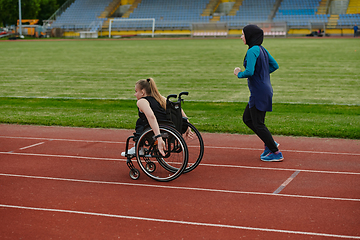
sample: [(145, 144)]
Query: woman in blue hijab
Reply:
[(258, 64)]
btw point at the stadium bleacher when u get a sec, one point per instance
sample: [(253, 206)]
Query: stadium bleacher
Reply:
[(251, 11), (81, 14), (175, 13), (180, 14), (348, 19), (300, 13)]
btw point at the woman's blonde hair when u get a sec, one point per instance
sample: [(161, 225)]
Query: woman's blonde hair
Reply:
[(151, 90)]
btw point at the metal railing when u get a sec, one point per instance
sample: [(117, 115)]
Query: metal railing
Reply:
[(95, 26)]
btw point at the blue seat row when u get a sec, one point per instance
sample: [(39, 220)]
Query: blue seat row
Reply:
[(181, 13), (82, 12), (175, 10), (300, 13)]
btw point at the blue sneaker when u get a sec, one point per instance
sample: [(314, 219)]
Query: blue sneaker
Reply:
[(273, 157), (267, 150)]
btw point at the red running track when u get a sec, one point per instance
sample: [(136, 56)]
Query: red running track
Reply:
[(61, 183)]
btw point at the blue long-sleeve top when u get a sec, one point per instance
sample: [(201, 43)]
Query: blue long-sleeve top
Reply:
[(258, 65)]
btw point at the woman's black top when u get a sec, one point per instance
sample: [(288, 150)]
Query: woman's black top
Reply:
[(159, 112)]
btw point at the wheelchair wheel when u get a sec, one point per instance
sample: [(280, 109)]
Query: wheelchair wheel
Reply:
[(150, 167), (156, 166), (134, 174), (195, 145)]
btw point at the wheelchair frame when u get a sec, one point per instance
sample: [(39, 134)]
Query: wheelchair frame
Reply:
[(173, 134), (195, 143), (151, 162)]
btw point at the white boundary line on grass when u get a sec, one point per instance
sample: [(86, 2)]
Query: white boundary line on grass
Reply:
[(179, 188), (216, 101), (180, 222)]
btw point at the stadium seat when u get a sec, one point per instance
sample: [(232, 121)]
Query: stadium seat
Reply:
[(81, 14), (299, 13)]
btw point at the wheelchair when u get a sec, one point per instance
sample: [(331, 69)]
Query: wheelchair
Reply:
[(188, 131), (175, 133)]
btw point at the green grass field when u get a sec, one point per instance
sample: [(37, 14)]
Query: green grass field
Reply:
[(316, 89)]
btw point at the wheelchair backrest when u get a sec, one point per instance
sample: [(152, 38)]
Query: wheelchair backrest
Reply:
[(173, 111)]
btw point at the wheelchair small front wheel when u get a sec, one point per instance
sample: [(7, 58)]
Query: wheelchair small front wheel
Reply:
[(134, 174)]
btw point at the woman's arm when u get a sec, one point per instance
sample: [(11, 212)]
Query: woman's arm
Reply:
[(183, 114), (273, 65), (251, 57), (144, 107)]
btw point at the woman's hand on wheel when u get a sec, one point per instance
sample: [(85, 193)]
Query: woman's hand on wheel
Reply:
[(161, 146), (189, 133)]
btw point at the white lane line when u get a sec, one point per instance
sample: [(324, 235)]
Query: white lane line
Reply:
[(279, 169), (289, 150), (34, 145), (282, 186), (179, 188), (63, 139), (180, 222), (64, 156), (210, 147), (201, 164)]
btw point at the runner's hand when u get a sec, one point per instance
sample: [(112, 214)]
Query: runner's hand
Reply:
[(236, 71)]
